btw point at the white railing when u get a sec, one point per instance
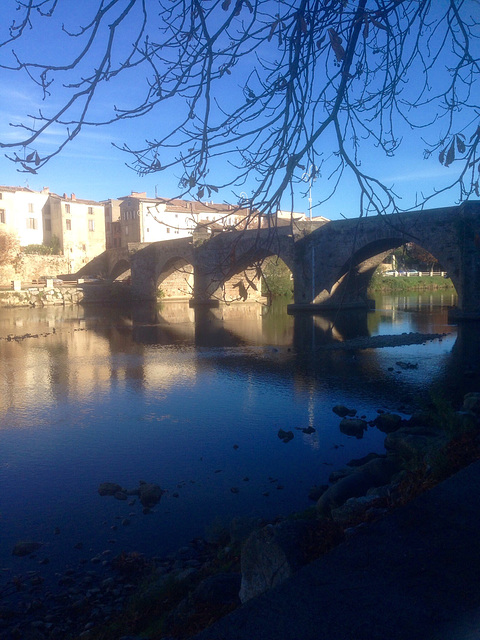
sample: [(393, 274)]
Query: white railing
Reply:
[(414, 274)]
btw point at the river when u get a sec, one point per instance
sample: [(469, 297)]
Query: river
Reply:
[(194, 402)]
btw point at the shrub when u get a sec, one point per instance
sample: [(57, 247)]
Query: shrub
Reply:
[(276, 278), (48, 249)]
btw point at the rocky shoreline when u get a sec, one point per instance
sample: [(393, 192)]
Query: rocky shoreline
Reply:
[(115, 597)]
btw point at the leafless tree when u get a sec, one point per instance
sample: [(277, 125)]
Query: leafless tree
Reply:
[(9, 247), (268, 88)]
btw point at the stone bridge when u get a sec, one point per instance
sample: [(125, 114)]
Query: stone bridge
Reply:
[(334, 264), (331, 262)]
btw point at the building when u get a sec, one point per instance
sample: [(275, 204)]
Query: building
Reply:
[(78, 225), (113, 230), (21, 213), (75, 226), (145, 219)]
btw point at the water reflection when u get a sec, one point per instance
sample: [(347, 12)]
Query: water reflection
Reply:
[(165, 393), (94, 349)]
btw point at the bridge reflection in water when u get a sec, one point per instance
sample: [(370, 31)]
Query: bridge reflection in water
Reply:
[(300, 339)]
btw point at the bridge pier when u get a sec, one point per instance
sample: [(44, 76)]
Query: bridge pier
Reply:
[(203, 303)]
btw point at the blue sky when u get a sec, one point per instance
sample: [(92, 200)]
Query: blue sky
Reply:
[(92, 168)]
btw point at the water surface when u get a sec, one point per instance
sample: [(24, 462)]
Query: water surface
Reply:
[(193, 402)]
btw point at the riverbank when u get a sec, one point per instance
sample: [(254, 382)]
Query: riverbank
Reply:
[(391, 284), (41, 296), (113, 595)]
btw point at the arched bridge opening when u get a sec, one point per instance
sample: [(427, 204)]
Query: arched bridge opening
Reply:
[(121, 270), (334, 264), (175, 279), (355, 276), (230, 267)]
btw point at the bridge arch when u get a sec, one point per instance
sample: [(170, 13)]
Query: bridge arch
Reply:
[(119, 268), (175, 277), (227, 256), (155, 262), (335, 263)]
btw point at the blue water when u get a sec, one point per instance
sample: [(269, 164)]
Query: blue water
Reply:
[(195, 408)]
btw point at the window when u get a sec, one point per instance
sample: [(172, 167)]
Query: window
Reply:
[(67, 208), (126, 231), (90, 210), (30, 207), (168, 229), (68, 224), (91, 225), (1, 196), (2, 216), (31, 223), (48, 224)]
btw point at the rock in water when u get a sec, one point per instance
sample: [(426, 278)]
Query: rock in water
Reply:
[(286, 436), (150, 494), (109, 488), (25, 548), (388, 422), (353, 427), (342, 411)]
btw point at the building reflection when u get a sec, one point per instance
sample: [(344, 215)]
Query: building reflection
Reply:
[(75, 353)]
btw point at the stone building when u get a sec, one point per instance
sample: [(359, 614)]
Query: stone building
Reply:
[(113, 231), (144, 219), (21, 213), (79, 226), (76, 226)]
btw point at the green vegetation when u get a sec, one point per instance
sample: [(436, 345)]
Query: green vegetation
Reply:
[(390, 284), (277, 279), (51, 248)]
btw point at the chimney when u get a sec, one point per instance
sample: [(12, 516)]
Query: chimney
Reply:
[(73, 197), (46, 190)]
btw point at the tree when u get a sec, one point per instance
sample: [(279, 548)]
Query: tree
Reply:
[(277, 278), (9, 247), (269, 89)]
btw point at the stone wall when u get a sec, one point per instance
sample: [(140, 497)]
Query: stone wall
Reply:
[(30, 267), (41, 297)]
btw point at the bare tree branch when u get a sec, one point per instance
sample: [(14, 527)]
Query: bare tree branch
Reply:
[(263, 87)]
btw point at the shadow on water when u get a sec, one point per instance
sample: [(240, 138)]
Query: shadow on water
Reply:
[(293, 345), (297, 343)]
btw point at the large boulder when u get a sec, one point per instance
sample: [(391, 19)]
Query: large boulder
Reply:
[(353, 427), (352, 510), (109, 489), (271, 555), (342, 411), (149, 494), (471, 402), (415, 443), (388, 422), (375, 473)]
